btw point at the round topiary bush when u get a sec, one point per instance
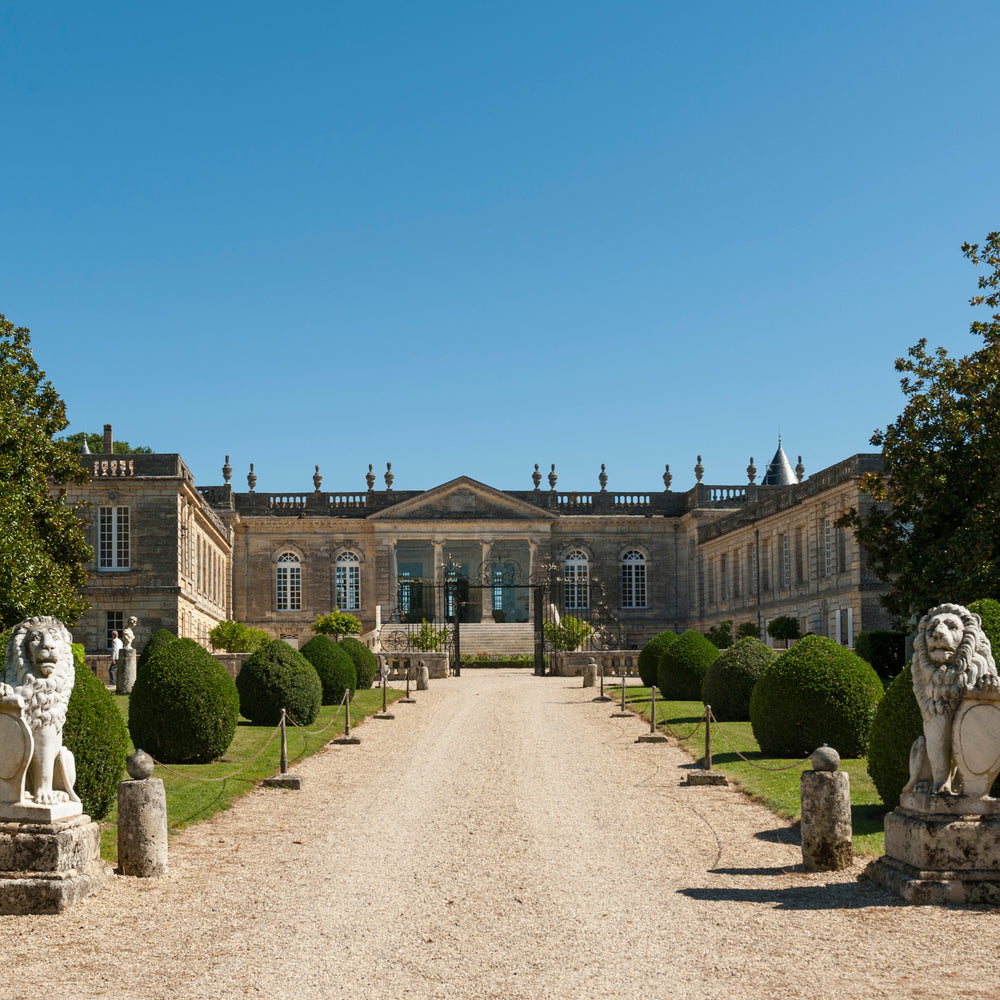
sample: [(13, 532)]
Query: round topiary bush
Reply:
[(649, 656), (334, 666), (365, 664), (896, 725), (183, 708), (278, 677), (683, 665), (95, 734), (817, 692), (159, 638), (730, 679)]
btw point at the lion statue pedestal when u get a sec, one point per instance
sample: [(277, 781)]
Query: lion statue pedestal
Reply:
[(942, 844), (49, 850)]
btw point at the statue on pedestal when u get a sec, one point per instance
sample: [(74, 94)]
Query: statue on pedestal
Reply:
[(34, 695), (129, 634)]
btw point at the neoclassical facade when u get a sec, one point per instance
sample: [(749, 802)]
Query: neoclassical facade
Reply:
[(184, 557)]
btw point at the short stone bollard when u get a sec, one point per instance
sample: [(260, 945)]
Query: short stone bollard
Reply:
[(590, 674), (423, 677), (142, 821), (125, 675), (827, 834)]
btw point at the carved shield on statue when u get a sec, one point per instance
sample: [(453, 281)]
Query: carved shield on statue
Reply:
[(976, 745)]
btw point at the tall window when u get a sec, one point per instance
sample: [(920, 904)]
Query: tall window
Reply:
[(289, 582), (633, 580), (828, 554), (348, 580), (724, 578), (114, 621), (786, 562), (752, 566), (113, 538), (577, 581), (800, 554)]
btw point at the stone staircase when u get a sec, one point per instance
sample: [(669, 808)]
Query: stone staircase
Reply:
[(497, 639)]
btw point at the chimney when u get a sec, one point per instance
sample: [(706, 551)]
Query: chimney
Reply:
[(108, 441)]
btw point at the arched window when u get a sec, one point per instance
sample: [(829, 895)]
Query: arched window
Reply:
[(577, 595), (348, 582), (633, 580), (288, 580)]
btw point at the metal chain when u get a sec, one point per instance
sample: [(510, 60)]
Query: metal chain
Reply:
[(312, 732), (226, 777), (790, 767)]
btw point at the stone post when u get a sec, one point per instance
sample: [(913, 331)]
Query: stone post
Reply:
[(590, 673), (142, 828), (125, 675), (827, 834), (423, 676)]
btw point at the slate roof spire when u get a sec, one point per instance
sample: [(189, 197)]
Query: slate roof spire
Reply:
[(780, 471)]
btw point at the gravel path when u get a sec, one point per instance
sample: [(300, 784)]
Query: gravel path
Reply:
[(502, 838)]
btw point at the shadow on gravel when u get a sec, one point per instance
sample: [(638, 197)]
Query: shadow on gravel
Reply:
[(781, 835), (833, 896)]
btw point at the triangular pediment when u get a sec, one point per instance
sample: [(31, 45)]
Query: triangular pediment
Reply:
[(463, 499)]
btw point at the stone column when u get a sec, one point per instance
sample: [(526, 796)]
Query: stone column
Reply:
[(827, 833), (125, 674), (142, 828), (487, 581)]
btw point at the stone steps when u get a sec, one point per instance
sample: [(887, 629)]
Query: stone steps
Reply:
[(497, 639)]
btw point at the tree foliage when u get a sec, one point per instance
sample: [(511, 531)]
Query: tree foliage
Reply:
[(235, 637), (932, 530), (95, 442), (569, 634), (784, 627), (43, 543), (337, 623), (721, 635)]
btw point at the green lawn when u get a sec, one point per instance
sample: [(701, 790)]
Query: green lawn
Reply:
[(192, 801), (777, 789)]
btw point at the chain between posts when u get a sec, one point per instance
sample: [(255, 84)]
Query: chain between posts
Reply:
[(225, 777), (743, 757)]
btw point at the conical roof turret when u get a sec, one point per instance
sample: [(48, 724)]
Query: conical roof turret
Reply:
[(780, 471)]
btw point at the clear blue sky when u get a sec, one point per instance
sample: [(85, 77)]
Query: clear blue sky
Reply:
[(468, 237)]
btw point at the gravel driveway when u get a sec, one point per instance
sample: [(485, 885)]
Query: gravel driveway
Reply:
[(503, 838)]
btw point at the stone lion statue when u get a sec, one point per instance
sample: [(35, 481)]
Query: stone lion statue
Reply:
[(39, 674), (951, 657)]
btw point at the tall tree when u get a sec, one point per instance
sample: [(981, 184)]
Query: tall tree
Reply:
[(935, 533), (42, 540), (95, 442)]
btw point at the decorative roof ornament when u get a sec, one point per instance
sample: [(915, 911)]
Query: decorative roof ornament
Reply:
[(536, 477), (603, 479), (751, 471), (779, 472), (317, 479), (251, 478), (553, 476), (699, 470), (85, 450), (370, 478), (668, 478), (227, 471), (800, 470), (389, 477)]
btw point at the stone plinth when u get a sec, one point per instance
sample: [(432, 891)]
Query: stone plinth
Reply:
[(938, 858), (827, 832), (46, 867), (125, 675), (142, 828), (703, 777)]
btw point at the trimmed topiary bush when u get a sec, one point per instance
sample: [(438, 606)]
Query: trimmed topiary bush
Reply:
[(817, 692), (989, 611), (884, 650), (730, 679), (183, 708), (365, 664), (334, 666), (278, 677), (683, 665), (95, 734), (896, 725), (649, 656), (159, 638)]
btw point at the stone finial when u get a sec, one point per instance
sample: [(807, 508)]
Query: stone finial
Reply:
[(317, 480), (536, 477), (85, 450), (389, 477), (751, 471), (227, 471), (251, 478), (553, 477), (603, 479), (800, 470), (825, 758), (699, 470), (139, 765), (668, 478), (370, 478)]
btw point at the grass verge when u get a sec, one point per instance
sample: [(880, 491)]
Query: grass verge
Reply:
[(736, 754), (193, 801)]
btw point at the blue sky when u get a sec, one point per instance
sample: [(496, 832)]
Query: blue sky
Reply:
[(468, 237)]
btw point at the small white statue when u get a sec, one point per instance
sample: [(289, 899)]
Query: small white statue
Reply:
[(129, 634), (34, 696)]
